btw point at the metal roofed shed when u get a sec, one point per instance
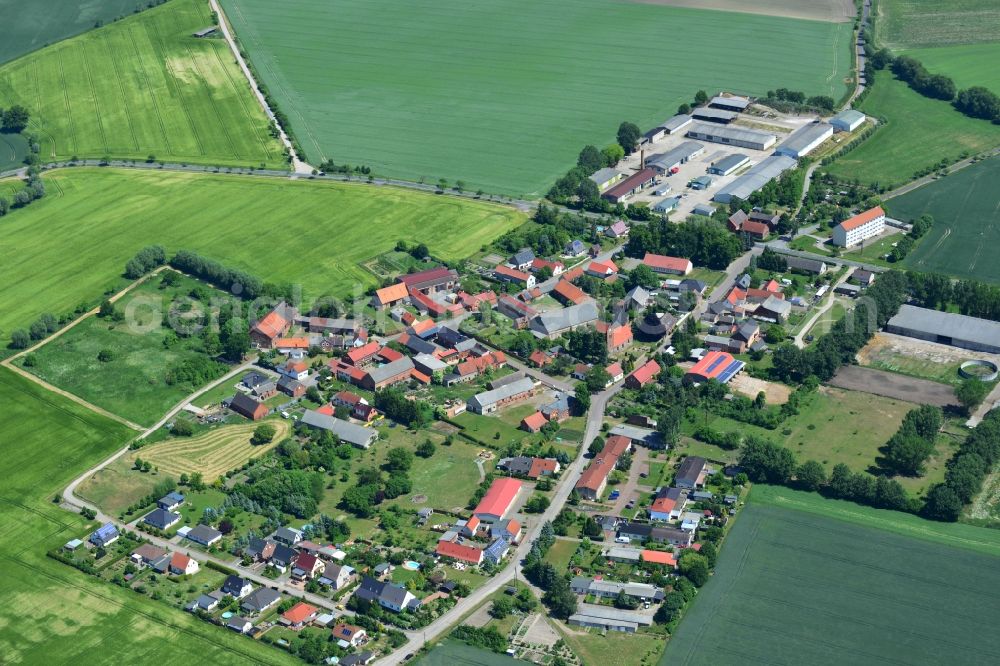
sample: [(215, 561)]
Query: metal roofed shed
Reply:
[(678, 122), (732, 103), (606, 177), (848, 120), (684, 151), (714, 115), (733, 136), (359, 436), (703, 209), (754, 179), (729, 164), (666, 205), (701, 183), (805, 140), (946, 328)]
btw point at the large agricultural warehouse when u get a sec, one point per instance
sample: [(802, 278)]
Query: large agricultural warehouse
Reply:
[(946, 328), (733, 136), (805, 140), (755, 178)]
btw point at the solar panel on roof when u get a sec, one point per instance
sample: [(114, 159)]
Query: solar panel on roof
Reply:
[(714, 364), (731, 370)]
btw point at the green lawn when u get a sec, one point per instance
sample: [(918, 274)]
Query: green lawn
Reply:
[(561, 553), (964, 207), (920, 132), (504, 95), (31, 25), (134, 383), (496, 431), (613, 647), (450, 652), (967, 64), (448, 478), (47, 441), (143, 86), (913, 23), (838, 426), (785, 572), (73, 244)]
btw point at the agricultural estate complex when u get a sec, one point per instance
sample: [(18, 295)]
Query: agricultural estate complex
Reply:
[(571, 333)]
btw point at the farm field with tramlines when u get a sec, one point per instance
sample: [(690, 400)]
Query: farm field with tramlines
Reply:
[(316, 234), (140, 87), (785, 572), (504, 95)]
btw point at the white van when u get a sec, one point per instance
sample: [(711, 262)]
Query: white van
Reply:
[(623, 539)]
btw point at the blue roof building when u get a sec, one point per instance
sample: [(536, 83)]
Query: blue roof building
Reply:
[(104, 535), (170, 501), (497, 550)]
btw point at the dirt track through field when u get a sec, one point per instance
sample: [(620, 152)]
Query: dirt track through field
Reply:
[(891, 385), (833, 11)]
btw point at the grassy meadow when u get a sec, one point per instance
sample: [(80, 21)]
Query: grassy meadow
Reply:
[(143, 86), (29, 26), (967, 64), (964, 206), (504, 95), (133, 384), (920, 23), (920, 132), (47, 441), (805, 586), (72, 245)]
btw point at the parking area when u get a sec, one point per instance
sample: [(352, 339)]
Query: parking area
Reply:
[(698, 165)]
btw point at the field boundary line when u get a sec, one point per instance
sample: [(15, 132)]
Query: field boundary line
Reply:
[(141, 65), (93, 91), (154, 41), (121, 89)]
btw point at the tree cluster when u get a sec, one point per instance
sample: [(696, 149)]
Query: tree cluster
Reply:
[(232, 280), (846, 337), (145, 260), (911, 445), (705, 243), (14, 119), (588, 345), (967, 470), (412, 413)]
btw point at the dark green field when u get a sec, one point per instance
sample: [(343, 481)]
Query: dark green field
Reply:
[(966, 208), (503, 95), (13, 149), (28, 26), (798, 587)]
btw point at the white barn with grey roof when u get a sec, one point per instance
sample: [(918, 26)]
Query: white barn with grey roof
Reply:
[(677, 123), (946, 328), (757, 177), (848, 120), (556, 322), (729, 164), (355, 435), (805, 140), (489, 401), (733, 136)]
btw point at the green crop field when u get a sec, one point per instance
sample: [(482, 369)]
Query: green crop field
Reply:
[(504, 95), (143, 86), (73, 244), (797, 587), (917, 23), (133, 383), (13, 150), (29, 26), (54, 614), (920, 132), (967, 64), (965, 231)]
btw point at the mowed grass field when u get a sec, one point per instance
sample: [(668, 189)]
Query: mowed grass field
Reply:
[(803, 587), (504, 95), (53, 614), (918, 23), (967, 64), (73, 244), (133, 384), (212, 453), (966, 207), (143, 86), (920, 132)]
